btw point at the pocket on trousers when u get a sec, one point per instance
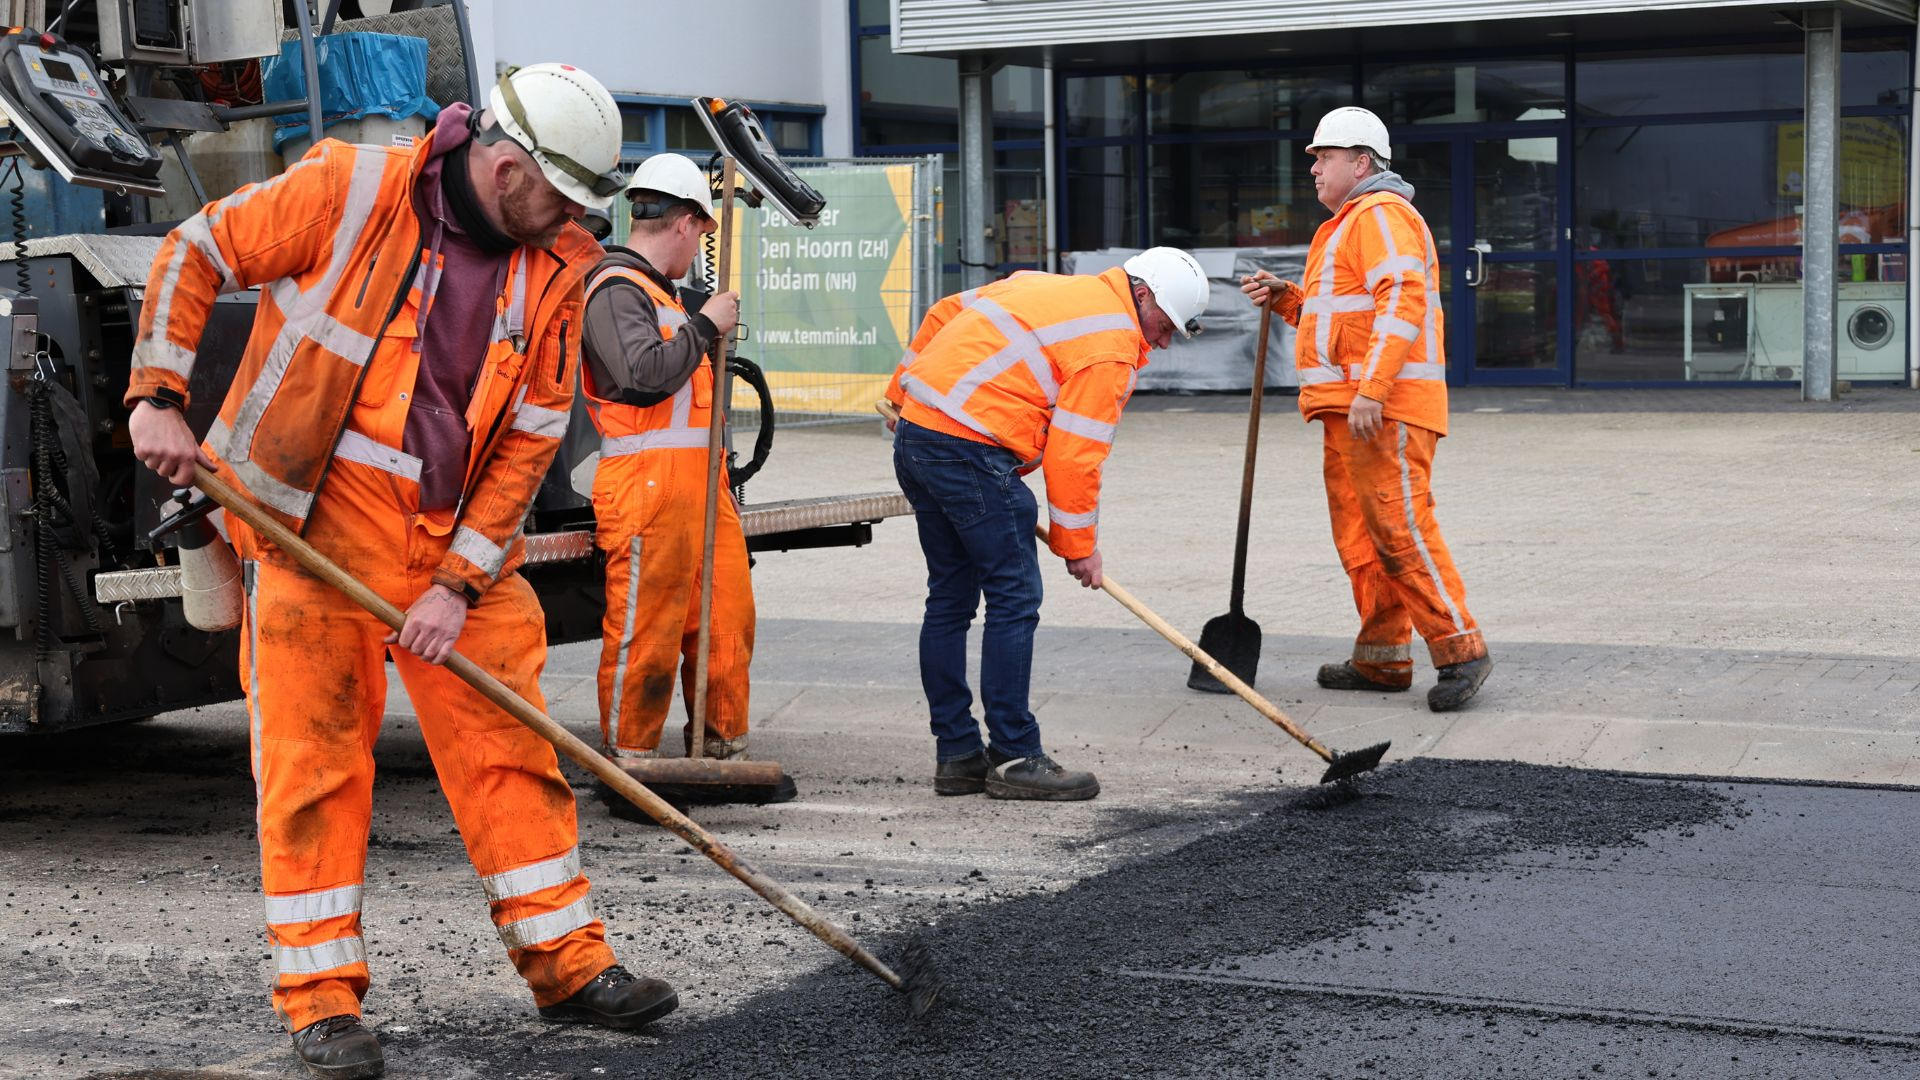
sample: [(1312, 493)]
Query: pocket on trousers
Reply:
[(954, 485)]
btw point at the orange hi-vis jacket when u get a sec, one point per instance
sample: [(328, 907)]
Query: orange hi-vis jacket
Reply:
[(336, 242), (1041, 364), (678, 423), (1369, 319)]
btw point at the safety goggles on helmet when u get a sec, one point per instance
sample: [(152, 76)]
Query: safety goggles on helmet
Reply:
[(604, 185)]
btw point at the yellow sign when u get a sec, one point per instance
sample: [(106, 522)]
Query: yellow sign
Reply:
[(1873, 161)]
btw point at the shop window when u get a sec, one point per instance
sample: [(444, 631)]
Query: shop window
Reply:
[(1516, 193), (1019, 99), (684, 130), (1103, 209), (1875, 71), (1238, 194), (1466, 93), (1687, 185), (1689, 82), (1101, 106), (1245, 100), (915, 100), (1680, 320)]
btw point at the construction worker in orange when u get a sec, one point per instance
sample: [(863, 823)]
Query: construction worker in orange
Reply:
[(650, 391), (406, 385), (1373, 372), (1029, 372)]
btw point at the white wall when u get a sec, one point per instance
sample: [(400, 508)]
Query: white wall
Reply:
[(758, 50)]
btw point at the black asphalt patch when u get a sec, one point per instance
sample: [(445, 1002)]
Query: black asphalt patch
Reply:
[(1071, 984)]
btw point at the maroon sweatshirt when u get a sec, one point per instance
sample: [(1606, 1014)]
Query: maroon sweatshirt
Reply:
[(456, 324)]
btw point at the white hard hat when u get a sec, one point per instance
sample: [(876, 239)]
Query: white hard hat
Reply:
[(1178, 284), (1351, 127), (675, 176), (568, 122)]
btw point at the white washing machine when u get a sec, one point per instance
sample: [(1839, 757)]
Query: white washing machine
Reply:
[(1871, 343)]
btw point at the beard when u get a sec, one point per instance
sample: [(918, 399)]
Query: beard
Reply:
[(524, 213)]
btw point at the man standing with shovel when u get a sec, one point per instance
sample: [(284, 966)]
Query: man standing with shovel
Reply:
[(405, 387), (1373, 372)]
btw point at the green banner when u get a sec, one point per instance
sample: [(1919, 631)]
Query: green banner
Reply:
[(828, 308)]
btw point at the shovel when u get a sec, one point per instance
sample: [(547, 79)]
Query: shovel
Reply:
[(1233, 639)]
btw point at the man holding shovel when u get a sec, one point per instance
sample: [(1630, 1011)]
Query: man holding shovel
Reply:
[(405, 387), (1373, 372), (1030, 372)]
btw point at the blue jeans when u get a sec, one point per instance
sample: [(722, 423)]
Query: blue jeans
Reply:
[(976, 519)]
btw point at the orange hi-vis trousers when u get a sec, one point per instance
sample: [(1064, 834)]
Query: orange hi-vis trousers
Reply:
[(651, 509), (1379, 497), (313, 664)]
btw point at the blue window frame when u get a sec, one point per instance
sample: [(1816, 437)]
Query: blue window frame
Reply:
[(651, 124)]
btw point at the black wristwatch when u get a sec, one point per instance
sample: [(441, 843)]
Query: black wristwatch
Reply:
[(161, 403)]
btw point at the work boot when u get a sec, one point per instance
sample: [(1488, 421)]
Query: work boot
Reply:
[(961, 776), (715, 747), (339, 1048), (1458, 683), (1344, 676), (1039, 777), (616, 998)]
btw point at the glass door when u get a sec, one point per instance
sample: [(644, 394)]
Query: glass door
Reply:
[(1515, 270), (1494, 207)]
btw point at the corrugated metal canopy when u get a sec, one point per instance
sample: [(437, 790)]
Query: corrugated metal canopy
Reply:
[(1191, 31)]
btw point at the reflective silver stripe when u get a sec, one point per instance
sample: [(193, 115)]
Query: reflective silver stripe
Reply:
[(512, 323), (1072, 521), (250, 583), (1319, 306), (1084, 426), (626, 633), (313, 906), (683, 403), (1319, 376), (1394, 264), (538, 420), (1382, 654), (299, 307), (285, 498), (1423, 372), (660, 439), (1413, 527), (161, 353), (1430, 326), (197, 231), (671, 318), (933, 399), (1069, 329), (1330, 305), (531, 879), (1396, 326), (354, 446), (554, 924), (478, 550), (1379, 347), (1023, 345), (340, 339), (907, 359), (313, 959)]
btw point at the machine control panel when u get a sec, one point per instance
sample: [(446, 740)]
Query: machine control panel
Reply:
[(53, 93)]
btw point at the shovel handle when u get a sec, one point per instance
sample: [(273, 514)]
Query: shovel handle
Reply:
[(1214, 667), (1236, 600), (716, 425), (566, 741)]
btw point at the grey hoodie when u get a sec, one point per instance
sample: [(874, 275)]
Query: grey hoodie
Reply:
[(1386, 181), (627, 358)]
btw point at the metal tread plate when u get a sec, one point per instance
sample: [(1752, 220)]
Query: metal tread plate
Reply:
[(114, 261), (163, 582)]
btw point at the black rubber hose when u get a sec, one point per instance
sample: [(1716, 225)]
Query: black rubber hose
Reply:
[(739, 367)]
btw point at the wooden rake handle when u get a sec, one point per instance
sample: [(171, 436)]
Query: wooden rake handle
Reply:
[(565, 741), (1227, 678)]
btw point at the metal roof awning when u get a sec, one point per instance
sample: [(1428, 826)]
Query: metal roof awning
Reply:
[(1192, 31)]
